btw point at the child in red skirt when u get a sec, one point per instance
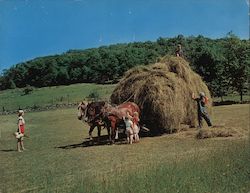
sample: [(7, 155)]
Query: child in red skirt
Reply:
[(136, 128), (20, 131)]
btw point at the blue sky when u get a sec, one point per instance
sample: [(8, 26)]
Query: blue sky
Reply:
[(34, 28)]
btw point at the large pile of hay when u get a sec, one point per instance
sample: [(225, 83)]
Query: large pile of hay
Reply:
[(163, 92)]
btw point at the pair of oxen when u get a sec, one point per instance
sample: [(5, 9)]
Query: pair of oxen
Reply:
[(102, 114)]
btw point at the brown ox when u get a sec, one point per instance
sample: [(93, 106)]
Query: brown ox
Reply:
[(92, 113), (97, 113)]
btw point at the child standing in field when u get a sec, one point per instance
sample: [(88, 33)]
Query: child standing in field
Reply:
[(136, 126), (20, 131), (129, 128)]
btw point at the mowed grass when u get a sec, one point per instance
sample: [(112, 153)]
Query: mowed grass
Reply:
[(40, 97), (56, 160)]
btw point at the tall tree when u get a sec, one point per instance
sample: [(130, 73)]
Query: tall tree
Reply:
[(237, 67)]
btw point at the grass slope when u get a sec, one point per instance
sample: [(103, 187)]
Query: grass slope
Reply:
[(11, 100), (41, 97), (58, 161)]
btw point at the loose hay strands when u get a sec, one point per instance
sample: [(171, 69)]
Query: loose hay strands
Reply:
[(163, 92), (220, 131)]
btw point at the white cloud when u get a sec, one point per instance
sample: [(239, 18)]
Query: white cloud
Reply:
[(247, 1)]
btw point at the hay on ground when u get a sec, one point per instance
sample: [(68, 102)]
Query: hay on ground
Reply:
[(163, 92), (221, 131)]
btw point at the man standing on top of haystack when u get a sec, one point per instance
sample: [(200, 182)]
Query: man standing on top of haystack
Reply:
[(179, 51), (202, 113)]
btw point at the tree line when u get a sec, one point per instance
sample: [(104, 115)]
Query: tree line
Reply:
[(223, 63)]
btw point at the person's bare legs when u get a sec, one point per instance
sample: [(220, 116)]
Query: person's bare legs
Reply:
[(22, 145), (128, 138), (19, 145), (131, 138)]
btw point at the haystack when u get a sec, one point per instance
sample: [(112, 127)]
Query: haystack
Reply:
[(163, 92)]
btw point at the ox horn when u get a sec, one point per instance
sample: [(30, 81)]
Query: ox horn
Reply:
[(145, 129)]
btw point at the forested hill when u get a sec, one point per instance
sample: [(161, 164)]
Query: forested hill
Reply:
[(223, 63)]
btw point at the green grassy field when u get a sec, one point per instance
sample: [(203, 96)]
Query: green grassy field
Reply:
[(41, 97), (56, 160), (232, 97), (11, 100)]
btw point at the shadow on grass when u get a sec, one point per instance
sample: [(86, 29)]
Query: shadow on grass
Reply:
[(229, 102), (103, 140), (8, 150)]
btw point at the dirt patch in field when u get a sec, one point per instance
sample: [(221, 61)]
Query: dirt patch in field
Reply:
[(163, 92)]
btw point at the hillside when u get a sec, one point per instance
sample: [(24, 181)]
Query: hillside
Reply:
[(222, 63), (70, 95), (12, 99)]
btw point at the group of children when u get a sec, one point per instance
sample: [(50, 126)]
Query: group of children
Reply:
[(132, 127)]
